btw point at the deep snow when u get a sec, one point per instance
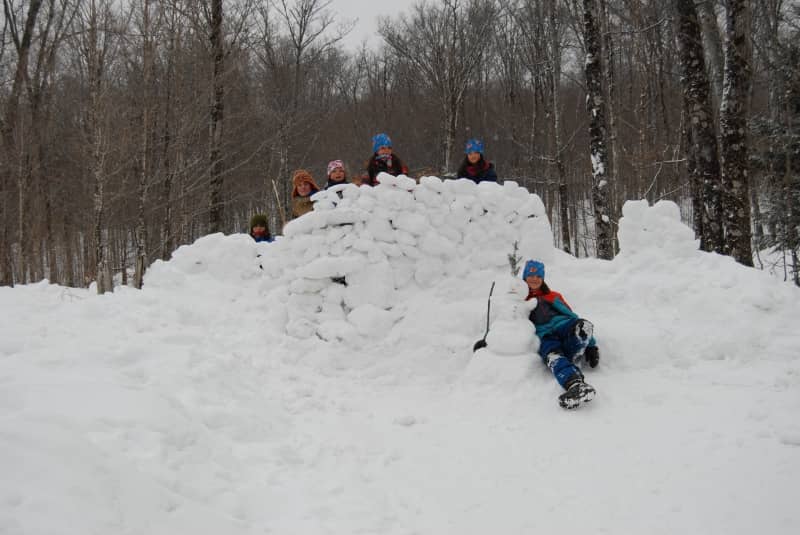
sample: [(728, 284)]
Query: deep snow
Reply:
[(227, 398)]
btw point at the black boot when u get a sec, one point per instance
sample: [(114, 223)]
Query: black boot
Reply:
[(576, 392)]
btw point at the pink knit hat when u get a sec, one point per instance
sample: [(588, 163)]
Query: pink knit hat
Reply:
[(334, 164)]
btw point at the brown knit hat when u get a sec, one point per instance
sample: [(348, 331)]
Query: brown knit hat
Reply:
[(301, 175)]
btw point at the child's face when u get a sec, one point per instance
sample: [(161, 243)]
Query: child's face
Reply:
[(304, 188), (384, 151), (259, 230), (337, 175), (473, 157), (534, 282)]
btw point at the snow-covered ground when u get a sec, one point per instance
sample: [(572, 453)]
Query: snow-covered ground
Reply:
[(231, 398)]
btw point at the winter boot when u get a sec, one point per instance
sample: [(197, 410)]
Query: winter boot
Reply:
[(576, 392)]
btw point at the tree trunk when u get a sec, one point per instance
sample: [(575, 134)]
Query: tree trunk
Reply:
[(97, 149), (712, 45), (733, 133), (704, 169), (216, 120), (10, 124), (595, 106), (144, 164)]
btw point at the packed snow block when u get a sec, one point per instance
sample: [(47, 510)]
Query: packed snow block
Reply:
[(301, 305), (373, 284), (432, 183), (364, 243), (490, 195), (370, 320), (318, 249), (452, 234), (307, 286), (395, 198), (344, 216), (435, 244), (458, 215), (376, 256), (411, 251), (339, 330), (461, 186), (533, 206), (381, 229), (411, 222), (429, 271), (403, 269), (405, 238), (644, 227), (391, 250), (301, 327), (324, 205), (327, 267)]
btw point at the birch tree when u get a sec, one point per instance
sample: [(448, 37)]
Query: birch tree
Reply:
[(598, 150), (733, 132), (145, 164), (96, 36)]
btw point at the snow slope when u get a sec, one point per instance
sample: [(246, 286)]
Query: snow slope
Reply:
[(227, 398)]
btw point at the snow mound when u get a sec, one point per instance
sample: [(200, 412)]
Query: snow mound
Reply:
[(659, 226)]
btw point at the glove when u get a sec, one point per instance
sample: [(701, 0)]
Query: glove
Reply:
[(592, 356)]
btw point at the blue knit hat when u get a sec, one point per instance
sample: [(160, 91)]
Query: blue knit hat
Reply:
[(380, 140), (474, 145), (533, 267)]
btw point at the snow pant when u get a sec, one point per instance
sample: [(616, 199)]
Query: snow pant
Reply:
[(562, 347)]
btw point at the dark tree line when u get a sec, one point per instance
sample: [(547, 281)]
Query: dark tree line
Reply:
[(129, 128)]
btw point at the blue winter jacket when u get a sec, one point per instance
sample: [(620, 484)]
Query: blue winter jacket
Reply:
[(551, 313)]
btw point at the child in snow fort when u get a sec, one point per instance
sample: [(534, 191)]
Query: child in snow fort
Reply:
[(336, 174), (564, 337), (259, 229), (475, 167), (383, 160), (303, 187)]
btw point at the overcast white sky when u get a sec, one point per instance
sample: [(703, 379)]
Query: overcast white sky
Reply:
[(367, 12)]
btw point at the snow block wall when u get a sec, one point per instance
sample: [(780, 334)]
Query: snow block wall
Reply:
[(345, 267)]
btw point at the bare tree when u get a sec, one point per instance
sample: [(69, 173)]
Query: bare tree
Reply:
[(733, 132), (595, 106), (444, 43), (712, 44), (10, 127), (97, 35), (216, 117), (702, 137), (145, 165)]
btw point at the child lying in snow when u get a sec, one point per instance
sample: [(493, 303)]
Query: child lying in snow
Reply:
[(564, 337)]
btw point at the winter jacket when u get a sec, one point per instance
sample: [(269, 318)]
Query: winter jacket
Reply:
[(482, 171), (301, 205), (259, 239), (378, 164), (551, 313), (331, 183)]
